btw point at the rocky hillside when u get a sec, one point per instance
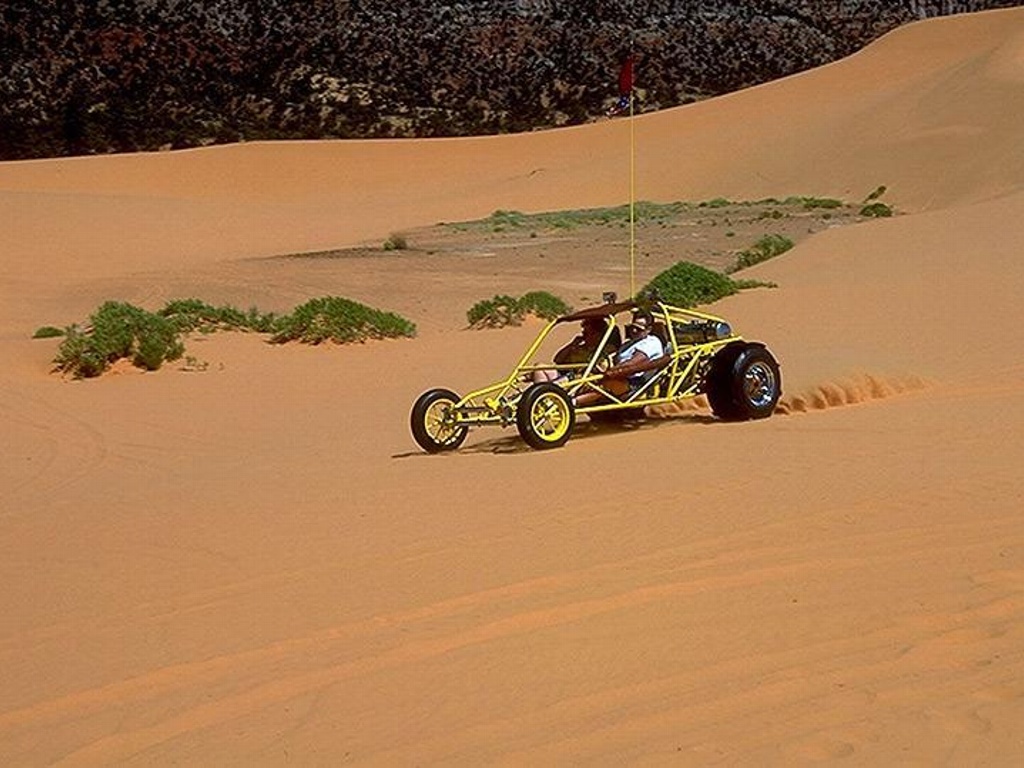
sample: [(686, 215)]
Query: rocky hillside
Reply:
[(129, 75)]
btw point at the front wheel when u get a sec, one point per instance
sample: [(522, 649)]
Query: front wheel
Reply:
[(433, 421), (545, 416)]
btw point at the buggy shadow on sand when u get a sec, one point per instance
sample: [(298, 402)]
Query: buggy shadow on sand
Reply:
[(741, 380)]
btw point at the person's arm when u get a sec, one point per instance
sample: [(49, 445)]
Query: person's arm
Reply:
[(637, 363)]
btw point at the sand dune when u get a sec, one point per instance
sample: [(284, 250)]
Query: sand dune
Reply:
[(254, 564)]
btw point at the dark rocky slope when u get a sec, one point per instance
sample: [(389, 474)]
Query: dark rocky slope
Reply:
[(127, 75)]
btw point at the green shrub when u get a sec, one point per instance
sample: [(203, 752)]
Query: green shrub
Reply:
[(820, 202), (397, 242), (503, 310), (718, 202), (497, 312), (78, 356), (190, 315), (876, 210), (48, 332), (543, 304), (500, 219), (685, 285), (745, 284), (643, 212), (118, 330), (878, 192), (340, 320), (768, 247)]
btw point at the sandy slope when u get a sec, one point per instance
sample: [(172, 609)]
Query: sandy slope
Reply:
[(254, 565)]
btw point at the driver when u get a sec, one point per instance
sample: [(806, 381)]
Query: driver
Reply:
[(632, 361), (579, 350)]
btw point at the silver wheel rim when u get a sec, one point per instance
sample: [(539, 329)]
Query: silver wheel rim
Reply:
[(759, 384)]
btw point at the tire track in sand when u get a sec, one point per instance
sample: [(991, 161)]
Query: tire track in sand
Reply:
[(855, 390), (550, 602)]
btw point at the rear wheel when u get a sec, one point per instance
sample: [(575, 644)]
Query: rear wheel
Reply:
[(744, 383), (545, 416), (718, 385), (433, 421)]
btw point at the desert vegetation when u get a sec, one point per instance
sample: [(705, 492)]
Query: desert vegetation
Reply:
[(333, 318), (685, 284), (643, 212), (767, 247), (502, 310), (191, 315), (119, 330), (876, 210)]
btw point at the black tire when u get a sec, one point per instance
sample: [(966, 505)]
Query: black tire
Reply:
[(744, 383), (718, 384), (428, 422), (545, 416)]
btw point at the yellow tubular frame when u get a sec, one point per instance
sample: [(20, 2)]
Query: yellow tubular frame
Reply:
[(497, 403)]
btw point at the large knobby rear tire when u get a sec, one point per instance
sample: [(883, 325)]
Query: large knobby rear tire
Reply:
[(433, 421), (718, 384), (744, 383), (545, 416)]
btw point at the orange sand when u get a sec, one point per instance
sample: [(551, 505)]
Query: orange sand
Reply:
[(254, 564)]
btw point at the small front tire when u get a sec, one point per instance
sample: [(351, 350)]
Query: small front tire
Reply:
[(545, 416), (433, 421)]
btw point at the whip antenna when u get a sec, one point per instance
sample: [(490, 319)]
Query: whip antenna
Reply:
[(632, 184), (627, 101)]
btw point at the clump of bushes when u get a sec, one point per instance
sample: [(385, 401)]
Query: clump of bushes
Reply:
[(874, 207), (503, 310), (396, 242), (190, 315), (643, 212), (48, 332), (501, 220), (877, 210), (810, 203), (496, 312), (767, 247), (718, 202), (118, 330), (542, 304), (333, 318), (686, 284), (876, 193)]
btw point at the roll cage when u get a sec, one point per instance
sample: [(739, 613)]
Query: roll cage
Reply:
[(690, 339)]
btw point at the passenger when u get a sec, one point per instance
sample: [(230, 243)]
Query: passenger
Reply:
[(632, 362), (580, 350)]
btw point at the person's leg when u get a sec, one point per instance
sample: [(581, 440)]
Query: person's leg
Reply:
[(542, 376), (617, 387)]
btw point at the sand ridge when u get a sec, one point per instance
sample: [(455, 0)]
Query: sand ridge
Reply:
[(253, 564)]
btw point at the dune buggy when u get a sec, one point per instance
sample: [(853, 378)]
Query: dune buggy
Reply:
[(741, 380)]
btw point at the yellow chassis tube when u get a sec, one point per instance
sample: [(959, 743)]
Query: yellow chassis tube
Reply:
[(677, 380)]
